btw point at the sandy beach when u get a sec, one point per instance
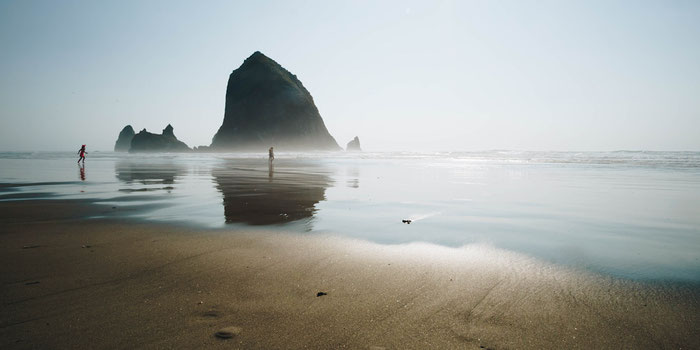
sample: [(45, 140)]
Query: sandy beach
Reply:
[(113, 283), (349, 175)]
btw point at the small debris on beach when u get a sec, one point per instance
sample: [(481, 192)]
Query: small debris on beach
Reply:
[(406, 221), (30, 246), (321, 294), (228, 332), (32, 282), (87, 246)]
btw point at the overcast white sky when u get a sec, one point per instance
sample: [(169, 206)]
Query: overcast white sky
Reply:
[(403, 75)]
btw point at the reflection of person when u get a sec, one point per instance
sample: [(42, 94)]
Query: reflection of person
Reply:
[(82, 172), (272, 154), (82, 154), (270, 171)]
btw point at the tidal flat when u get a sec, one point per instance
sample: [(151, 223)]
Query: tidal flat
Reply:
[(504, 250)]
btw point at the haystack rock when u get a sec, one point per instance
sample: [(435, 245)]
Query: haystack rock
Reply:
[(145, 141), (354, 145), (266, 106), (124, 140)]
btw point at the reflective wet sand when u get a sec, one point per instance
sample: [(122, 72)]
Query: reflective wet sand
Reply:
[(111, 283), (254, 193), (630, 215)]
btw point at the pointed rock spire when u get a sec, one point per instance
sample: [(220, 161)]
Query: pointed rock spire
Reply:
[(266, 105)]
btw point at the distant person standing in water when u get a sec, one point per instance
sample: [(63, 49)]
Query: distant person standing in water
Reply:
[(82, 154), (272, 154)]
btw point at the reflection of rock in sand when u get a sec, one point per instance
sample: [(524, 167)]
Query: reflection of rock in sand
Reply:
[(258, 194), (148, 173), (353, 175)]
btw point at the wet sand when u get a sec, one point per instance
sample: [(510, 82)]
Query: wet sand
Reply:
[(113, 283)]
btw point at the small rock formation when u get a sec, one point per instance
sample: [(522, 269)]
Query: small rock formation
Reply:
[(201, 149), (266, 106), (168, 131), (145, 141), (354, 144), (124, 140)]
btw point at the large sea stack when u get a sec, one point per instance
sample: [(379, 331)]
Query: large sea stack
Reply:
[(145, 141), (124, 140), (267, 106)]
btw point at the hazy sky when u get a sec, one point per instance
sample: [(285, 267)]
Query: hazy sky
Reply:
[(403, 75)]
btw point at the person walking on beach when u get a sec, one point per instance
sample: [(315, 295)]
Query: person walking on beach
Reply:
[(82, 154), (272, 154)]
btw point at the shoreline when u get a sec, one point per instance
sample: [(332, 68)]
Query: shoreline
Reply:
[(118, 283)]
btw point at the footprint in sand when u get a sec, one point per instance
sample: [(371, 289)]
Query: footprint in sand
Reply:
[(212, 314), (228, 332)]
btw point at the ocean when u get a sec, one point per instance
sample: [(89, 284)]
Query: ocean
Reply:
[(633, 215)]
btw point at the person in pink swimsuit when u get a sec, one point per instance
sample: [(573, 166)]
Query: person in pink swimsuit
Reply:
[(82, 154)]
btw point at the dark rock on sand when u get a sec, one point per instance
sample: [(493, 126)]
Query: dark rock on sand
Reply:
[(266, 106), (124, 140), (354, 145), (228, 332), (319, 294), (145, 141)]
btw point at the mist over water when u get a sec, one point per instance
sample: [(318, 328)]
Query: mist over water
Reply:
[(628, 214)]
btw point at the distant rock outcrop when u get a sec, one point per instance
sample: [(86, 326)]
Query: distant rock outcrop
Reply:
[(124, 140), (145, 141), (266, 106), (354, 145), (201, 149)]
